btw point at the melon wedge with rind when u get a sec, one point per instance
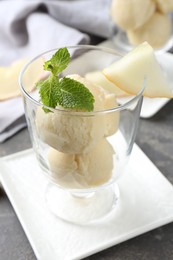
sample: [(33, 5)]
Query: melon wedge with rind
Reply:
[(130, 71), (9, 86), (98, 78)]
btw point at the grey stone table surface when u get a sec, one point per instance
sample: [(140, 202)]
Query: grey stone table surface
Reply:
[(155, 137)]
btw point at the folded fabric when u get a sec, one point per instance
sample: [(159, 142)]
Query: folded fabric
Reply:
[(31, 27), (17, 125), (10, 110), (11, 117), (28, 28)]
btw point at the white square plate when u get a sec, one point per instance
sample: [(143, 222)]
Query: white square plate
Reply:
[(146, 202)]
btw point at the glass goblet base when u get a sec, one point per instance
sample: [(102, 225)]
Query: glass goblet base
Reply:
[(82, 207)]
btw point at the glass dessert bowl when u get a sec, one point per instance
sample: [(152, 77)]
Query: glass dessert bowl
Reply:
[(82, 153)]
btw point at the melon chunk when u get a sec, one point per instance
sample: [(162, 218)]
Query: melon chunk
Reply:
[(157, 31), (98, 78), (131, 14), (164, 6), (129, 73), (9, 86)]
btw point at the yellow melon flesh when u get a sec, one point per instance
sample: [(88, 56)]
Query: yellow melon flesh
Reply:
[(129, 72), (164, 6), (131, 14), (9, 86), (157, 31), (98, 78)]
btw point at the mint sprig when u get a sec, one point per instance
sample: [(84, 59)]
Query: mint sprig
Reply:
[(65, 92), (58, 62)]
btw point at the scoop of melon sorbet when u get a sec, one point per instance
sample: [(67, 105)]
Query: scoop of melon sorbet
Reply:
[(82, 170), (74, 133)]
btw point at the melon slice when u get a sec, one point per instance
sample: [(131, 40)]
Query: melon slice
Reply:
[(129, 73), (127, 14), (98, 78), (164, 6), (9, 86), (157, 31)]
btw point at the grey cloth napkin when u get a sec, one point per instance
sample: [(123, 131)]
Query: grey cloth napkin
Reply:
[(28, 28), (11, 117)]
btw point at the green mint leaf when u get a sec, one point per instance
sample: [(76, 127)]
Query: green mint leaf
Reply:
[(58, 62), (66, 92), (49, 92), (75, 95)]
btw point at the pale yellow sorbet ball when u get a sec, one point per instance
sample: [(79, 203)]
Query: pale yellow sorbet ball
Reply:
[(82, 170), (75, 133), (131, 14), (156, 31), (69, 133)]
